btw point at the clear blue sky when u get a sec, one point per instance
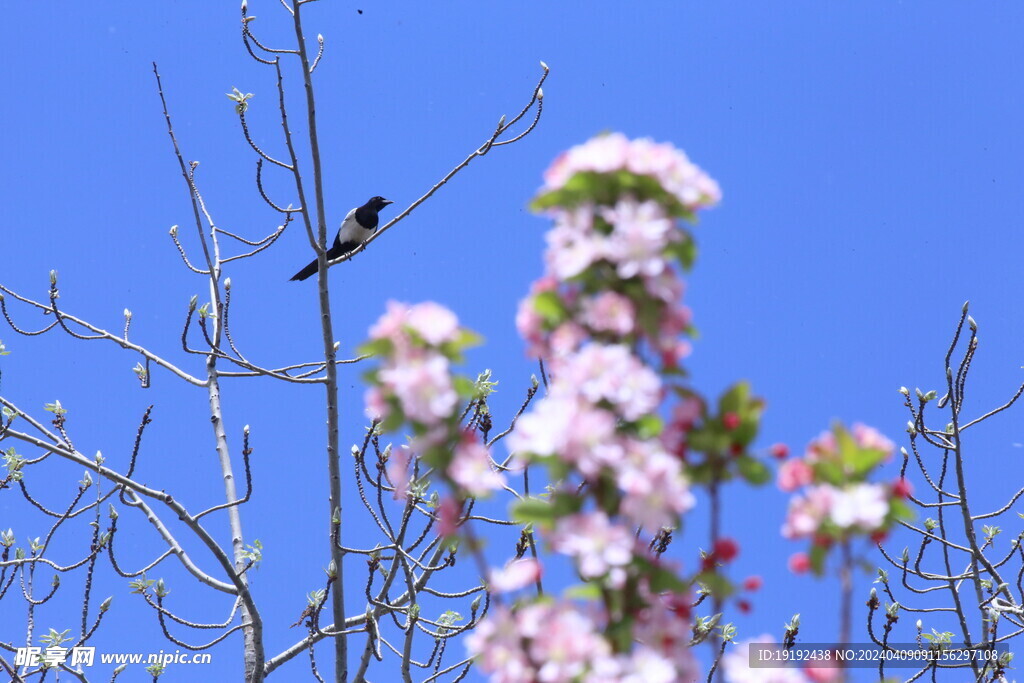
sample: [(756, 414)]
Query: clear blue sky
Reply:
[(869, 156)]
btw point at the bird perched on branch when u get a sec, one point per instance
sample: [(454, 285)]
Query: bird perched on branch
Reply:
[(357, 227)]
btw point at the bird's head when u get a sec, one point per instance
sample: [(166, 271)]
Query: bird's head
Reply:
[(378, 203)]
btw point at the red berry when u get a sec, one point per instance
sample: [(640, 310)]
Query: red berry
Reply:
[(901, 488), (730, 421), (743, 606), (736, 450), (823, 541), (799, 563), (726, 549), (780, 451), (879, 535), (679, 605), (753, 583)]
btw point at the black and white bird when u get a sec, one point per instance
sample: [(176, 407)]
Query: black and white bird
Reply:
[(357, 227)]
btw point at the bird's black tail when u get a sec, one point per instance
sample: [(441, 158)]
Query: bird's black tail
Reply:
[(305, 272)]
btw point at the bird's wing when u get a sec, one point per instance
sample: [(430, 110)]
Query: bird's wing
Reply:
[(350, 230)]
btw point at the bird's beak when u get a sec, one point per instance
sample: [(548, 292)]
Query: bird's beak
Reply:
[(388, 201)]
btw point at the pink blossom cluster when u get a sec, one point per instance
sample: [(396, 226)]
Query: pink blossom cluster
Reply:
[(736, 666), (415, 375), (610, 299), (861, 507), (416, 345), (833, 500), (609, 275), (556, 642), (826, 445), (580, 422), (663, 162)]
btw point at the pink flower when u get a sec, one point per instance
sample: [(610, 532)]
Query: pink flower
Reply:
[(537, 642), (531, 327), (423, 386), (433, 322), (665, 286), (389, 326), (807, 512), (824, 674), (565, 339), (869, 437), (597, 545), (822, 447), (516, 574), (730, 421), (529, 322), (612, 373), (448, 512), (656, 490), (665, 633), (641, 233), (609, 312), (799, 563), (377, 407), (737, 669), (602, 154), (398, 471), (642, 665), (575, 431), (573, 244), (498, 647), (861, 505), (471, 469), (613, 152), (793, 474)]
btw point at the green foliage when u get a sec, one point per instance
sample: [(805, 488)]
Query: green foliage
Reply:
[(606, 188)]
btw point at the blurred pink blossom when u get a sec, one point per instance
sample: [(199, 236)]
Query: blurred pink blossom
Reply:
[(607, 153), (598, 544), (793, 474), (514, 575), (471, 468), (609, 312), (433, 322), (549, 642), (423, 386), (862, 505), (736, 666), (641, 233)]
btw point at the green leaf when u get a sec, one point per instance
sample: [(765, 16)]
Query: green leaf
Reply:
[(649, 426), (584, 591), (377, 347), (394, 420), (817, 557), (684, 251), (736, 399), (862, 460), (718, 585), (464, 386), (753, 470), (550, 307), (468, 338), (664, 580), (534, 511), (898, 509), (829, 472)]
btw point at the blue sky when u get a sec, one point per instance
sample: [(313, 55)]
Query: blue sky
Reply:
[(868, 155)]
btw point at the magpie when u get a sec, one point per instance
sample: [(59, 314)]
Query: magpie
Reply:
[(357, 227)]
